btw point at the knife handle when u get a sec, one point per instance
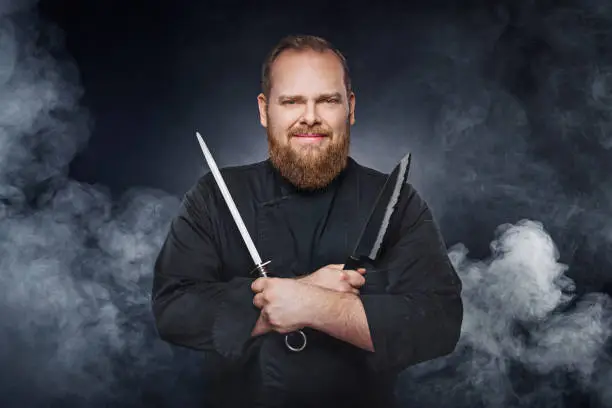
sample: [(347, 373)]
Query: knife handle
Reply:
[(352, 263)]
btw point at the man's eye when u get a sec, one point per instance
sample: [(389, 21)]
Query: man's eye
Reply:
[(333, 100), (288, 102)]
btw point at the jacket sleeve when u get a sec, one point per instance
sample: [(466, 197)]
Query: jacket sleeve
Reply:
[(192, 307), (418, 316)]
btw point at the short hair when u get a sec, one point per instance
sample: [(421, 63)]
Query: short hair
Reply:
[(300, 43)]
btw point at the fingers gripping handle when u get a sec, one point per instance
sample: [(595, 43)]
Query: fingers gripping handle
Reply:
[(353, 263), (295, 341)]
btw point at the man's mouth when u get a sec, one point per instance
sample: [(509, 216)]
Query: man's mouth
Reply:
[(310, 137)]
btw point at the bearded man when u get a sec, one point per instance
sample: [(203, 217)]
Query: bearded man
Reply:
[(304, 207)]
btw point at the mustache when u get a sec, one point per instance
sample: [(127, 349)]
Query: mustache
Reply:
[(309, 130)]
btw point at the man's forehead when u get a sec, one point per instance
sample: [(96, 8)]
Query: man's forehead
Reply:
[(293, 61), (307, 73)]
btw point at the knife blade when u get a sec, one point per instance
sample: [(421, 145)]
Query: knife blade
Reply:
[(374, 230)]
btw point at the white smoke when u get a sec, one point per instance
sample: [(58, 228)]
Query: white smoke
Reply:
[(523, 286), (76, 267)]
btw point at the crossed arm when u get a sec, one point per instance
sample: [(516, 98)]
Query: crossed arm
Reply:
[(338, 314), (415, 318), (342, 315)]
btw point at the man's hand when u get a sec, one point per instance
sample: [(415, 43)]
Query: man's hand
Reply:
[(262, 326), (286, 304), (332, 277)]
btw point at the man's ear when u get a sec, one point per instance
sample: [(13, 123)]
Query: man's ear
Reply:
[(263, 106), (352, 108)]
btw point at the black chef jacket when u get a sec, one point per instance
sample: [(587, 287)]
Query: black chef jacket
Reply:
[(202, 297)]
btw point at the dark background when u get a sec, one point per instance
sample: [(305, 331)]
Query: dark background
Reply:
[(505, 105)]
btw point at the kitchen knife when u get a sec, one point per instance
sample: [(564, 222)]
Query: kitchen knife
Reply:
[(368, 245)]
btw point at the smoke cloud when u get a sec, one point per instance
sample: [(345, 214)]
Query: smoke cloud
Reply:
[(76, 266), (512, 107), (527, 340)]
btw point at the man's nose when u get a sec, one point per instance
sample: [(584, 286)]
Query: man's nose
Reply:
[(310, 115)]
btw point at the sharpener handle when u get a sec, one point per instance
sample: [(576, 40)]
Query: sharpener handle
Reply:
[(295, 341)]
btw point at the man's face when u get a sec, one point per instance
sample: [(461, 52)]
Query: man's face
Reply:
[(308, 117)]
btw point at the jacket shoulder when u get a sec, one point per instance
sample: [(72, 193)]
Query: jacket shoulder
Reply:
[(239, 179), (369, 176), (232, 175), (370, 172)]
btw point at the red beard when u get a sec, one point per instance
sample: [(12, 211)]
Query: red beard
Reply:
[(309, 168)]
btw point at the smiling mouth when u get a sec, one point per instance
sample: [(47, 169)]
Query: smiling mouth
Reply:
[(309, 138)]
